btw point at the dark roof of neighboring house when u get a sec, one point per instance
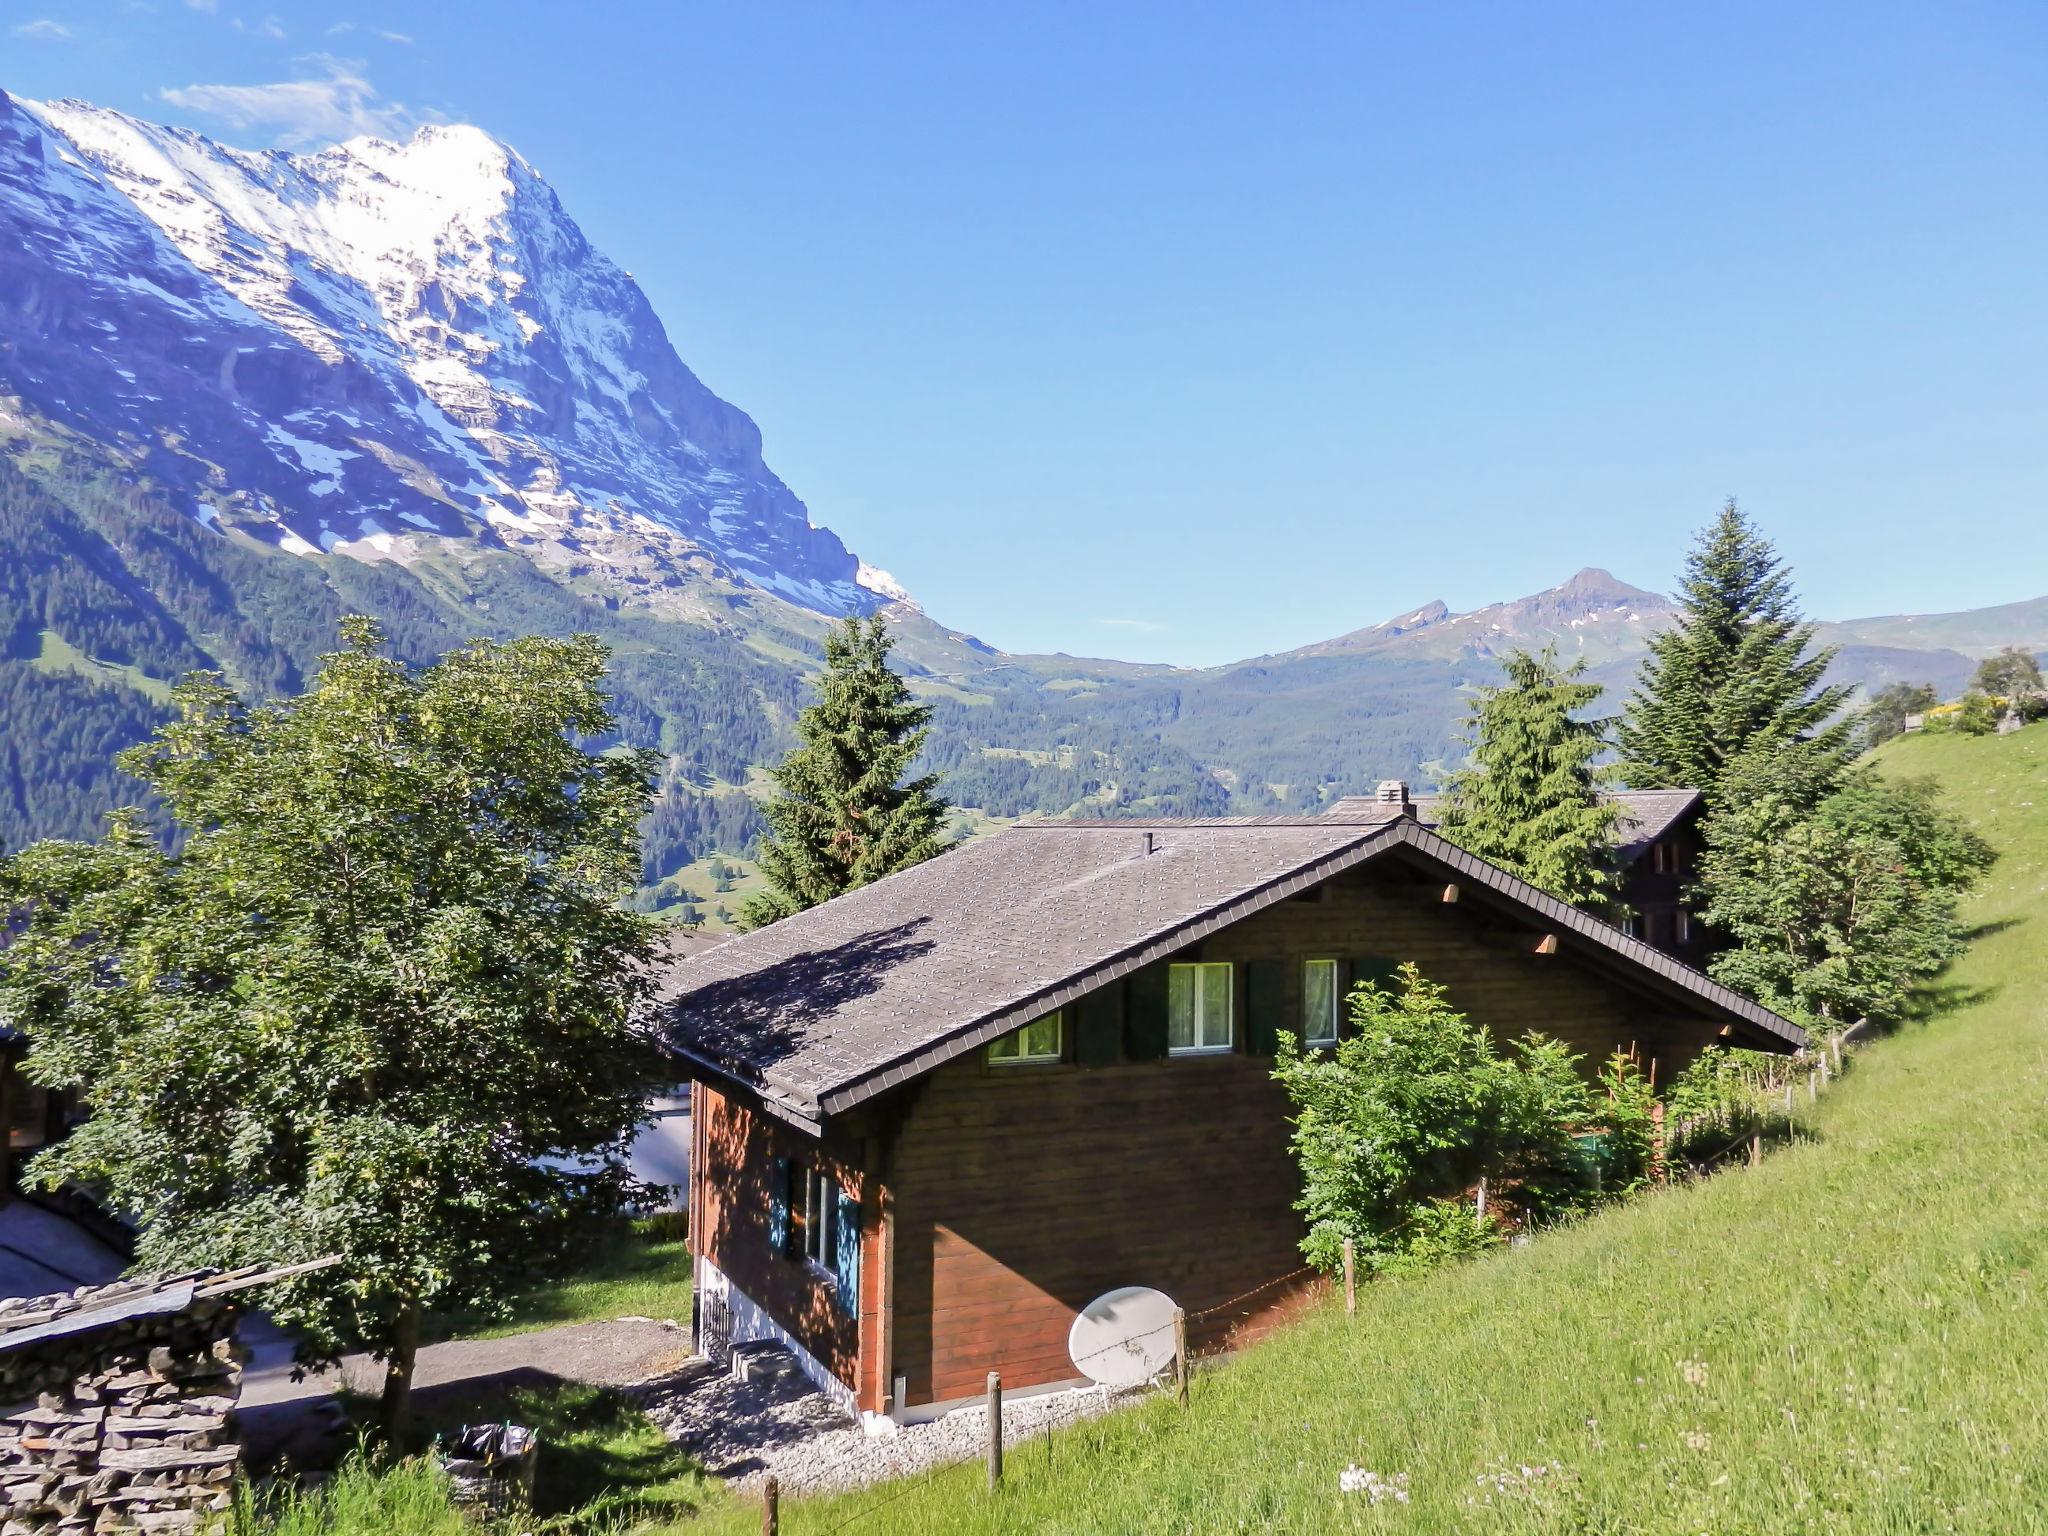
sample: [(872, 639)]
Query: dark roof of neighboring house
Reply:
[(29, 1320), (825, 1009), (1646, 814)]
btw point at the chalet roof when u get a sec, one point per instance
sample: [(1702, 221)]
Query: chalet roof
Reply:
[(1646, 814), (820, 1011)]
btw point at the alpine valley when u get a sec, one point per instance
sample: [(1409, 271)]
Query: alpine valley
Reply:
[(244, 394)]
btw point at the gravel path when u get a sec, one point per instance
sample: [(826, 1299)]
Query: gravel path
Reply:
[(744, 1431)]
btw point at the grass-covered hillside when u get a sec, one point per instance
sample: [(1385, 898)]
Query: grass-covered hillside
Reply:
[(1853, 1338)]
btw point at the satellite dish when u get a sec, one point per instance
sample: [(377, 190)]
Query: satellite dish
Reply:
[(1123, 1338)]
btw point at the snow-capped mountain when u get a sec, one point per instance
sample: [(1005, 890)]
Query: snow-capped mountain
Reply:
[(371, 347)]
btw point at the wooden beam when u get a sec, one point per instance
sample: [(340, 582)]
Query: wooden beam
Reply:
[(1450, 893), (1547, 945)]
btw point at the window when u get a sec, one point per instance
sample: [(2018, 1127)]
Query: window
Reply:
[(1041, 1040), (1197, 1009), (812, 1220), (1319, 1002)]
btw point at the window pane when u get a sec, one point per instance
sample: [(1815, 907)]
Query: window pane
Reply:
[(1319, 1002), (1042, 1037), (1180, 1007), (1005, 1049), (1215, 1005)]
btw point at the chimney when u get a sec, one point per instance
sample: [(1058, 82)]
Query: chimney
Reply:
[(1392, 797), (1151, 847)]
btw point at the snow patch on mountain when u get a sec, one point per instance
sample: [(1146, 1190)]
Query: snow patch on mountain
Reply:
[(380, 333)]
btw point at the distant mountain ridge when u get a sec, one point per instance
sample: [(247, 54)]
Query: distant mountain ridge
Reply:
[(243, 394)]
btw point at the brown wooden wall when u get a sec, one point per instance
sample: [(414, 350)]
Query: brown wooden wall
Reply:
[(1021, 1193), (733, 1153)]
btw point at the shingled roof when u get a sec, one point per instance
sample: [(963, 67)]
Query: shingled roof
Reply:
[(1646, 814), (825, 1009)]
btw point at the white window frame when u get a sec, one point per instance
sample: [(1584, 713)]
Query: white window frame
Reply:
[(1025, 1058), (1321, 1041), (1204, 1046)]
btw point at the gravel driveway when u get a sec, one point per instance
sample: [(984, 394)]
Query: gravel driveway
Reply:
[(744, 1431)]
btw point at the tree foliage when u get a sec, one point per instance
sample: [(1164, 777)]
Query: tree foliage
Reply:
[(1736, 671), (1530, 800), (383, 975), (1417, 1104), (1886, 714), (1835, 893), (845, 815), (2013, 674)]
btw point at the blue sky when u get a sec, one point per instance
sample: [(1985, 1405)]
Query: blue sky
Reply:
[(1189, 332)]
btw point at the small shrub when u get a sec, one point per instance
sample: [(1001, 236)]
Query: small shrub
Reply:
[(1439, 1232), (1412, 1109)]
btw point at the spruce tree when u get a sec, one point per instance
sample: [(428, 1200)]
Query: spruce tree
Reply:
[(844, 816), (1737, 671), (1530, 801)]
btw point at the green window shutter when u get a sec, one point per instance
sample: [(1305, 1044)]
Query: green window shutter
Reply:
[(846, 1252), (1374, 968), (1145, 1022), (1099, 1026), (1378, 969), (1265, 1011)]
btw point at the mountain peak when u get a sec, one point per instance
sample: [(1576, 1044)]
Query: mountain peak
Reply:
[(377, 344)]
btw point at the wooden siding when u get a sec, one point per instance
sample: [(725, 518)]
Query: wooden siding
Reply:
[(1023, 1192), (734, 1151)]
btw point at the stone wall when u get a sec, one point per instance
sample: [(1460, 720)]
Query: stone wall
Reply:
[(125, 1422)]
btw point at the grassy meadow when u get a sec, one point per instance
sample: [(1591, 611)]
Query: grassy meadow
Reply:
[(1852, 1338)]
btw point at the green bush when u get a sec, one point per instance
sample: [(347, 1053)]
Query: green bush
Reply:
[(1411, 1110)]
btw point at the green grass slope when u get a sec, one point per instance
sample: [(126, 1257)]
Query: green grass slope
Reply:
[(1853, 1338)]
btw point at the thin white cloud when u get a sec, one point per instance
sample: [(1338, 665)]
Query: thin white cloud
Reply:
[(338, 103), (208, 6), (340, 27), (44, 30), (269, 27), (1143, 626), (396, 37)]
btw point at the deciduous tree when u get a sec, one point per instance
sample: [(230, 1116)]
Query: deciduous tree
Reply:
[(384, 974), (1836, 894)]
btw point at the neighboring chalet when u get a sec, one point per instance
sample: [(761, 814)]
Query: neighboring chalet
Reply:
[(1657, 849), (934, 1118)]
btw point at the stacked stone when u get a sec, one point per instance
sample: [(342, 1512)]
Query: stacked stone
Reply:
[(126, 1423)]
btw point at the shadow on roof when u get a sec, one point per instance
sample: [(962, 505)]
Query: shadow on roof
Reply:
[(755, 1020)]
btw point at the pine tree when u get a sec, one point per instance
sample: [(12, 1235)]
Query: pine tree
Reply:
[(844, 816), (1735, 672), (1530, 802)]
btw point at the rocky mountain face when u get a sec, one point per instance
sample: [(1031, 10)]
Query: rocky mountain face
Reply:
[(359, 350)]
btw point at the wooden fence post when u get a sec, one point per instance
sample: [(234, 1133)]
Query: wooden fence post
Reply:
[(1812, 1085), (1479, 1205), (1350, 1278), (1657, 1170), (1835, 1044), (1180, 1355), (1756, 1149), (995, 1429), (771, 1507)]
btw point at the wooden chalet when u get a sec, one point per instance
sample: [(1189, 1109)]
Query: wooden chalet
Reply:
[(934, 1118)]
